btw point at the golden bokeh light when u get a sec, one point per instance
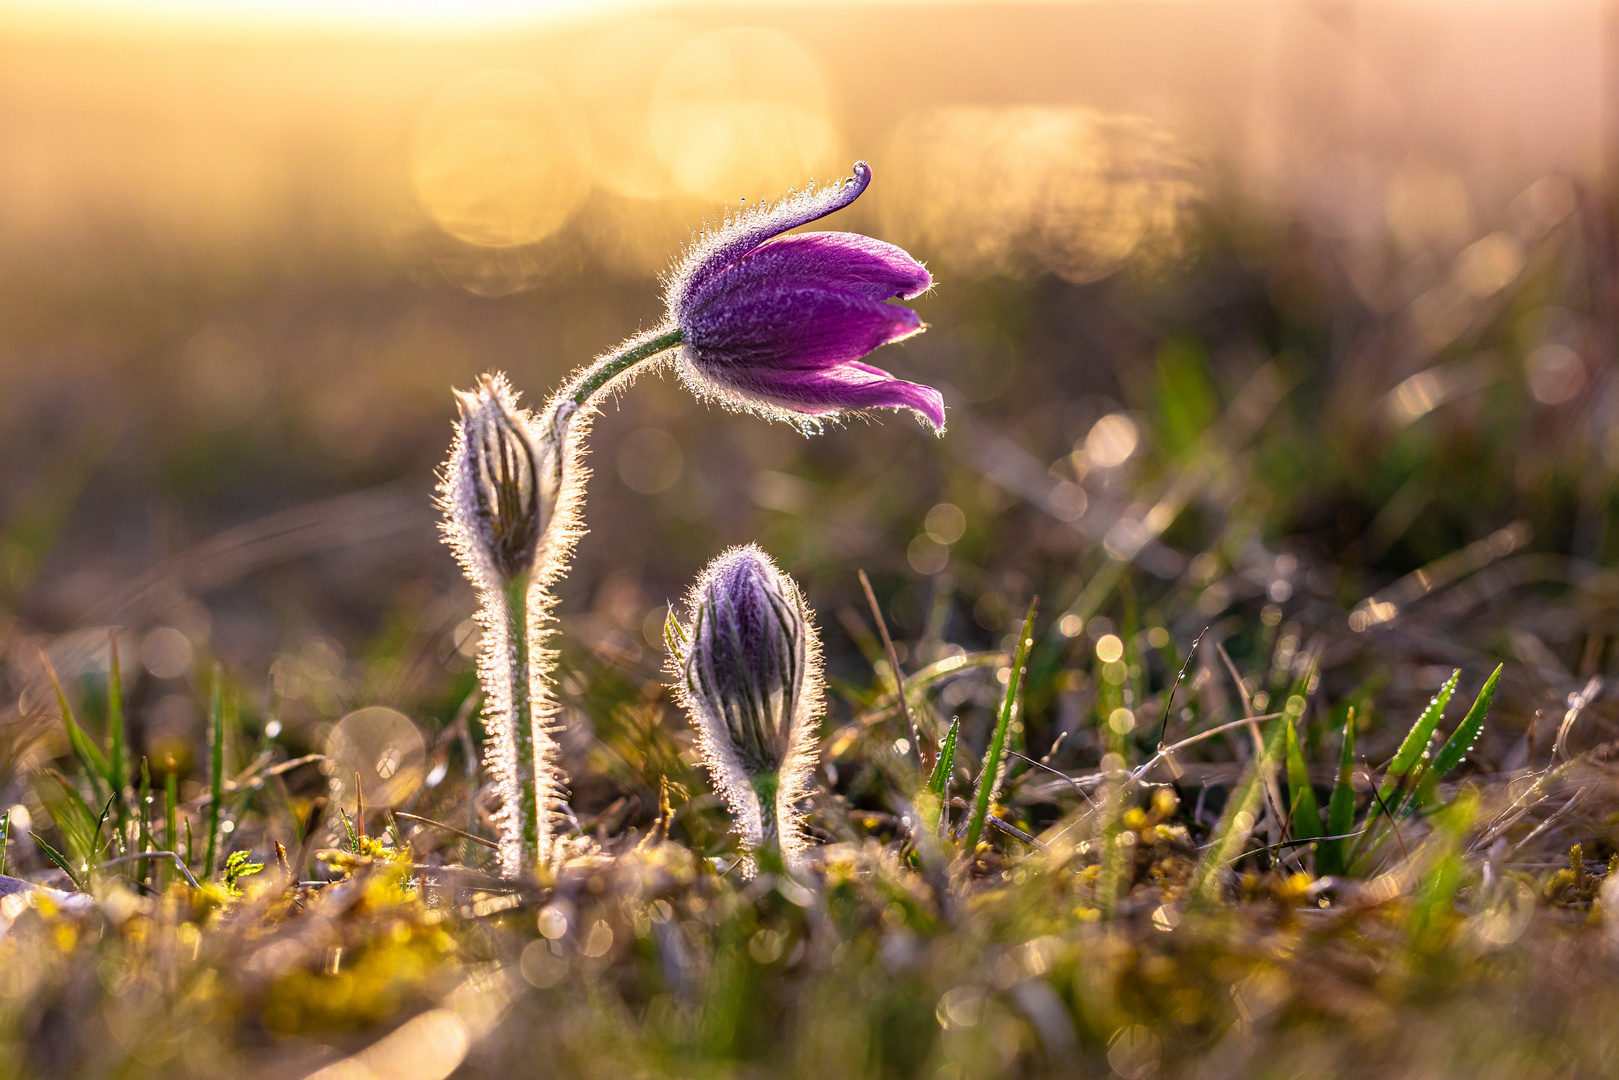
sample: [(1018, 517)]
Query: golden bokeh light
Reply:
[(1428, 208), (496, 161), (416, 15), (1111, 441), (611, 83), (1487, 266), (384, 749), (743, 113), (1071, 190)]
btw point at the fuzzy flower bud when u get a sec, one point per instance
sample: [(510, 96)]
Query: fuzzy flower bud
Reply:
[(496, 482), (499, 493), (748, 671), (778, 324)]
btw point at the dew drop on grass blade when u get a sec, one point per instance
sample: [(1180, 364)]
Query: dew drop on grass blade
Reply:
[(1466, 734), (947, 761), (143, 819), (939, 782), (1410, 752), (1329, 857)]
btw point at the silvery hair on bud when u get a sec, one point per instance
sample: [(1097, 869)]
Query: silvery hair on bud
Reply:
[(498, 493), (747, 668), (494, 491)]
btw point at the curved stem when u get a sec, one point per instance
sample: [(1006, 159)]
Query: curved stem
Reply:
[(522, 718), (587, 381), (582, 386), (534, 779)]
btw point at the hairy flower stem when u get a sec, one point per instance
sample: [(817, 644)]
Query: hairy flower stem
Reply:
[(584, 385), (529, 811)]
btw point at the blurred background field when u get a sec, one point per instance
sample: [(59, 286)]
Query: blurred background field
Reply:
[(244, 264), (1292, 320)]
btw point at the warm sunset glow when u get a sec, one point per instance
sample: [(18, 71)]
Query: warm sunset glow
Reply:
[(101, 15)]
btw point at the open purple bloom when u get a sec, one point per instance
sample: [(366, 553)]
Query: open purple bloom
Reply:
[(779, 324)]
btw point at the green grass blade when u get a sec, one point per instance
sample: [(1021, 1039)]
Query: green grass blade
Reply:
[(143, 820), (1241, 814), (1433, 908), (930, 801), (1416, 740), (116, 770), (1329, 858), (73, 817), (348, 827), (171, 822), (94, 763), (56, 857), (95, 837), (1409, 754), (1341, 808), (989, 777), (947, 761), (216, 781), (1466, 733), (1305, 814)]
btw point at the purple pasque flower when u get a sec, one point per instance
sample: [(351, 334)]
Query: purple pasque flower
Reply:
[(779, 324)]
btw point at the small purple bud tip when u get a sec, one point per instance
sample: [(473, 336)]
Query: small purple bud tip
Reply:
[(779, 324), (746, 659)]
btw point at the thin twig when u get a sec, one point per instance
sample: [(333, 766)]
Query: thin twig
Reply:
[(1576, 704), (1558, 815), (1512, 814), (1169, 707), (1316, 839), (1273, 795), (1162, 755), (1165, 752), (1013, 831), (154, 855), (252, 776), (899, 676), (448, 829), (359, 804), (1381, 805), (1056, 744), (1280, 844), (1054, 772)]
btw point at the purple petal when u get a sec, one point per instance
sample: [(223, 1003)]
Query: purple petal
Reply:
[(832, 260), (749, 229), (785, 328), (842, 388)]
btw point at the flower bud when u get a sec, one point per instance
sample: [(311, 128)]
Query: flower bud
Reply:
[(748, 669), (496, 493)]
